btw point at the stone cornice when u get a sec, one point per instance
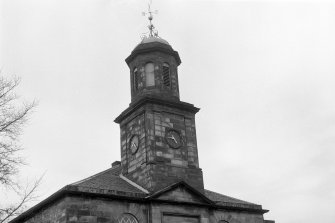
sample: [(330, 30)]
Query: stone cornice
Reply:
[(144, 100), (77, 191)]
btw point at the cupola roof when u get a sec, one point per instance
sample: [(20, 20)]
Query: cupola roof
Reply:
[(151, 39), (153, 43)]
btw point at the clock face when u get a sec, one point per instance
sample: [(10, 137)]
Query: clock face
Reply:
[(133, 144), (173, 139)]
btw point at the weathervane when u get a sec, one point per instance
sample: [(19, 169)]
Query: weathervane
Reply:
[(152, 30)]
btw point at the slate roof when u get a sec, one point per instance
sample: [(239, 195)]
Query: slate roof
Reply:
[(108, 180), (220, 198)]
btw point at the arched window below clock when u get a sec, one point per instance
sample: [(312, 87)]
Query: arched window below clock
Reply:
[(149, 71), (166, 74), (127, 218), (135, 78)]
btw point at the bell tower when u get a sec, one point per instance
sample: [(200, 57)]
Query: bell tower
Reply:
[(158, 133)]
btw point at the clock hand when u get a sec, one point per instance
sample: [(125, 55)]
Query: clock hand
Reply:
[(133, 144), (172, 137)]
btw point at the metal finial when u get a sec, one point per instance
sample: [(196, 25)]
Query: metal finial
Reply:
[(152, 30)]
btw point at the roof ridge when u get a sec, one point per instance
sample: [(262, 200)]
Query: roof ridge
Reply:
[(133, 184)]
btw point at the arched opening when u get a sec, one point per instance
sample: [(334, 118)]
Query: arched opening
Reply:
[(166, 74), (135, 78), (127, 218), (149, 70)]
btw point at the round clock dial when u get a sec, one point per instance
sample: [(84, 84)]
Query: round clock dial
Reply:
[(133, 144), (173, 139)]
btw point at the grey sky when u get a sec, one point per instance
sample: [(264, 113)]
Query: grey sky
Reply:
[(261, 72)]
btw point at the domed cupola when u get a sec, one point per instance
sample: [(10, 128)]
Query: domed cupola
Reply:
[(153, 68)]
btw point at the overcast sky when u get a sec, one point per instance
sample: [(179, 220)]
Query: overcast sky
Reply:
[(261, 72)]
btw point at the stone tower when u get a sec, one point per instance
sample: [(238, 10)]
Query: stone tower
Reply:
[(158, 134)]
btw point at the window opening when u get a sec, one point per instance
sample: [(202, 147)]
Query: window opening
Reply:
[(166, 74), (149, 74), (127, 218), (135, 73)]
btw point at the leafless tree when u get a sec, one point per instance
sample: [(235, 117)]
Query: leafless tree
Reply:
[(13, 115)]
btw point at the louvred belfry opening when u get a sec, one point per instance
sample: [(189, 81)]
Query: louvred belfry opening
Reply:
[(166, 74), (135, 78)]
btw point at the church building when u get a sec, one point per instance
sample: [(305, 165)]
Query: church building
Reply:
[(158, 179)]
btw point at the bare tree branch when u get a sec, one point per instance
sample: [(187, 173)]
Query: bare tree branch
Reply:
[(26, 196), (13, 116)]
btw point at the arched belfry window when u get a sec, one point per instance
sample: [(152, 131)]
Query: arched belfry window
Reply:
[(135, 73), (166, 74), (149, 70), (127, 218)]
